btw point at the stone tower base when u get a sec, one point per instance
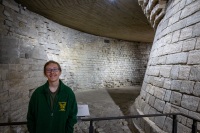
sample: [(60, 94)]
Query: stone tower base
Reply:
[(144, 125)]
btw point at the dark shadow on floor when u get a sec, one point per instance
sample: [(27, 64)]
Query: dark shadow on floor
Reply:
[(124, 98)]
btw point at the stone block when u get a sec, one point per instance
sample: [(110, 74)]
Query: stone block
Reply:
[(153, 70), (187, 2), (147, 127), (194, 18), (190, 102), (159, 121), (176, 85), (182, 4), (152, 111), (186, 33), (167, 38), (174, 18), (39, 53), (198, 108), (151, 79), (179, 25), (195, 73), (145, 79), (190, 121), (151, 89), (159, 93), (184, 72), (178, 58), (146, 109), (144, 86), (187, 87), (190, 9), (167, 95), (162, 60), (197, 43), (165, 70), (158, 81), (172, 48), (153, 61), (142, 105), (167, 83), (182, 119), (194, 57), (196, 32), (189, 44), (174, 72), (168, 125), (196, 90), (152, 100), (175, 36), (147, 97), (176, 98), (159, 105), (167, 108), (143, 94)]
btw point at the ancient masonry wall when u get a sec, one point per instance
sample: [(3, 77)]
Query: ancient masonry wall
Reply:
[(172, 79), (28, 40)]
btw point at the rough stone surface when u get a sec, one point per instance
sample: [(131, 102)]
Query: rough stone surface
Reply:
[(178, 40), (190, 102), (28, 40), (176, 98)]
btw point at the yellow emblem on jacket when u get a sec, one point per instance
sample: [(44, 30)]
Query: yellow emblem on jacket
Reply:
[(62, 106)]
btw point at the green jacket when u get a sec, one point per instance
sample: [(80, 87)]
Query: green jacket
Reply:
[(61, 119)]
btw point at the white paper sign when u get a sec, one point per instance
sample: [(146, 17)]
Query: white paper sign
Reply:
[(83, 110)]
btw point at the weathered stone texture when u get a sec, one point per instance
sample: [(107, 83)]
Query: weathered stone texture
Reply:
[(159, 92), (28, 40), (168, 124), (159, 105), (184, 72), (175, 36), (175, 57), (194, 57), (178, 58), (175, 98), (190, 102), (187, 87), (165, 71), (167, 95), (176, 85), (195, 73), (196, 91), (167, 83)]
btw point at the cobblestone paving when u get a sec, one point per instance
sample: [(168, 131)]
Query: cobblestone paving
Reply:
[(108, 103)]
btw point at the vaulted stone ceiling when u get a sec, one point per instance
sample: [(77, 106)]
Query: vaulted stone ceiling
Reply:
[(119, 19)]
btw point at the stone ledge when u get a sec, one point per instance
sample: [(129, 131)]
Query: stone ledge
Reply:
[(144, 123)]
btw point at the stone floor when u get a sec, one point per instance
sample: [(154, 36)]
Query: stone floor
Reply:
[(111, 102)]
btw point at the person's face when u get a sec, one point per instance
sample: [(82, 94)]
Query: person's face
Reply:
[(52, 72)]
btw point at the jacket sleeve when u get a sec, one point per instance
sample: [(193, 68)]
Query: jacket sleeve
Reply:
[(31, 115), (72, 118)]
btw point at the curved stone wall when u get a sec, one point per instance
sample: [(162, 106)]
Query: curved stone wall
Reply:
[(172, 79), (28, 40)]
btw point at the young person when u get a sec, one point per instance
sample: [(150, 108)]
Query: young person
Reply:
[(52, 107)]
